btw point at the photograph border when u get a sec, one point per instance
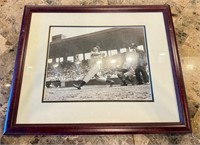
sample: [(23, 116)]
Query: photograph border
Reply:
[(147, 54), (11, 127)]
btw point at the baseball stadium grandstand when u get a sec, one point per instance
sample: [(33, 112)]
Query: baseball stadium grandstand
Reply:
[(68, 58)]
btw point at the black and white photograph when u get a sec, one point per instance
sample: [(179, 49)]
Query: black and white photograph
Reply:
[(87, 63)]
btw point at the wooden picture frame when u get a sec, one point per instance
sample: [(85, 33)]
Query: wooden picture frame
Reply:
[(105, 123)]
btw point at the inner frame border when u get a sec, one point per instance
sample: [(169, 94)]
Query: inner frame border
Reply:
[(149, 68)]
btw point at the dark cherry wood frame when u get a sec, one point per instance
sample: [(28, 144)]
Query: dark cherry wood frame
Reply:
[(102, 128)]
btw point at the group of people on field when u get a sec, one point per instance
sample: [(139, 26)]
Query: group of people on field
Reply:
[(134, 64)]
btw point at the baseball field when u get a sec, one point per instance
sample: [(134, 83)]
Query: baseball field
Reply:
[(99, 93)]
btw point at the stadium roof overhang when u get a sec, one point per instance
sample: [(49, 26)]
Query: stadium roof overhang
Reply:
[(114, 38)]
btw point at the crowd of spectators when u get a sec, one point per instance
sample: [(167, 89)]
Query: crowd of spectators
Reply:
[(73, 71)]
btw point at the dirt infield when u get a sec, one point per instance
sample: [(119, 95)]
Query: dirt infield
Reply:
[(99, 93)]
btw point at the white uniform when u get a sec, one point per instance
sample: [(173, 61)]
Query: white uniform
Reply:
[(95, 66)]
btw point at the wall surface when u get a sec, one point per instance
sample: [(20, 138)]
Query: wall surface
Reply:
[(186, 17)]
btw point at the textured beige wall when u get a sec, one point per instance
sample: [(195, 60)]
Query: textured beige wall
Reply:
[(186, 17)]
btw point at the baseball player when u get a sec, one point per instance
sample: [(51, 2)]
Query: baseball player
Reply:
[(140, 71), (95, 63), (127, 70)]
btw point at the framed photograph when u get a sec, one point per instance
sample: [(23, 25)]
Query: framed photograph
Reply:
[(97, 70)]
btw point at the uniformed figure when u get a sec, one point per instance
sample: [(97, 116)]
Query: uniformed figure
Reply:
[(135, 64), (140, 71), (127, 70), (95, 66)]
